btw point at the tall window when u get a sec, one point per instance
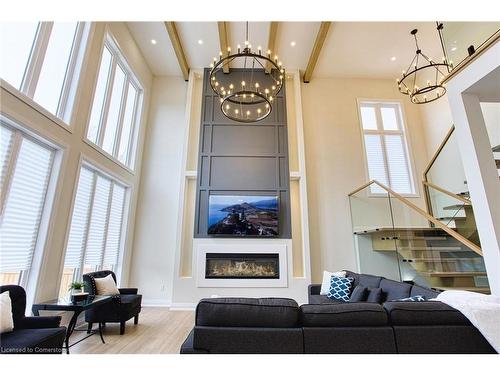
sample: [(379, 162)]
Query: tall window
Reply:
[(40, 59), (95, 237), (26, 166), (116, 107), (386, 147)]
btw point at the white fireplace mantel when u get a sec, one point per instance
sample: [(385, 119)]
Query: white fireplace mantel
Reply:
[(202, 249)]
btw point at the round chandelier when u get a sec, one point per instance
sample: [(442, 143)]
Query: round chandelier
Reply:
[(245, 93), (423, 80)]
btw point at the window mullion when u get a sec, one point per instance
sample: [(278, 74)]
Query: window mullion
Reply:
[(107, 100), (35, 61), (123, 104), (87, 229), (9, 172), (106, 227)]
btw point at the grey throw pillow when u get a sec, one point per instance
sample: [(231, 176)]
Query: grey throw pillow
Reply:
[(374, 295), (359, 294)]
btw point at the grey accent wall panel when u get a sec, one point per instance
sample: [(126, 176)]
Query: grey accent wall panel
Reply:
[(242, 159)]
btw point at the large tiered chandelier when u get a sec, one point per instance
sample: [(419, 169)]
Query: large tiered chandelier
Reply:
[(423, 79), (245, 93)]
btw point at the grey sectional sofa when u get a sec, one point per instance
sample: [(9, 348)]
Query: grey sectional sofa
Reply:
[(279, 325)]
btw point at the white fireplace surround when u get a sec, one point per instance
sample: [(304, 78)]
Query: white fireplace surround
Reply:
[(238, 248)]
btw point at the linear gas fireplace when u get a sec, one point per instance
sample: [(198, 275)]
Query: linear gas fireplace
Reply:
[(242, 266)]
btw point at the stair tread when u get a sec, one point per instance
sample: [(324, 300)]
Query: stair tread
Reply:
[(434, 248), (457, 206), (398, 229), (456, 218), (467, 288), (441, 259), (455, 274), (496, 148)]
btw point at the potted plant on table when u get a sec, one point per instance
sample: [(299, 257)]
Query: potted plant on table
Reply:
[(77, 291)]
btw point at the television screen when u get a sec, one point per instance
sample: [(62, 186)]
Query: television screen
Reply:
[(243, 215)]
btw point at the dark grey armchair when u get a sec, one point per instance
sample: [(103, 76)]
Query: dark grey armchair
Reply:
[(124, 306), (31, 334)]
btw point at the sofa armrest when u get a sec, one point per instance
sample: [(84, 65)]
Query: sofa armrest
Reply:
[(314, 289), (39, 322), (128, 290)]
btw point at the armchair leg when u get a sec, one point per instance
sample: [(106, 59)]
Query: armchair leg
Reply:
[(122, 328), (136, 319), (89, 327)]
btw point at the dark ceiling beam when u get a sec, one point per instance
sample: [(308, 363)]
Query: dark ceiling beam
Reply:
[(271, 42), (179, 51), (224, 40), (318, 44)]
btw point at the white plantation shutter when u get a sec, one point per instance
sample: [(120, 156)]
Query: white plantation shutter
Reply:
[(6, 139), (397, 161), (24, 205), (385, 147), (79, 220), (114, 226), (98, 220), (376, 162)]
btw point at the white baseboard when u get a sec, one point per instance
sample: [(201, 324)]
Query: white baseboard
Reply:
[(182, 306), (156, 302)]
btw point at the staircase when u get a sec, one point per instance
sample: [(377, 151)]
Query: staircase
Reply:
[(437, 247), (432, 256)]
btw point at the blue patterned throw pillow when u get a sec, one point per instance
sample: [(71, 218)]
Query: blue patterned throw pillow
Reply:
[(413, 299), (340, 288)]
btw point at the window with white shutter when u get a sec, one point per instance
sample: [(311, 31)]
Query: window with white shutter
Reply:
[(96, 230), (386, 148), (26, 166), (116, 106), (42, 60)]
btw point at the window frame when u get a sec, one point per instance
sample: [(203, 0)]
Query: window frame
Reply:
[(402, 132), (118, 58), (67, 101), (103, 172)]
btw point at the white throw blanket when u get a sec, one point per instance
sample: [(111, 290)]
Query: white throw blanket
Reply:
[(482, 310)]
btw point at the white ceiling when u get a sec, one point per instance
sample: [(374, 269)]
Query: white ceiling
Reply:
[(351, 49)]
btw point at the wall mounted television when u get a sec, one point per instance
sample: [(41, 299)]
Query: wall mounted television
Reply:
[(243, 215)]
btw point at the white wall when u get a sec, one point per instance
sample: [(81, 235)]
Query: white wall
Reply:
[(335, 161), (156, 222), (72, 149)]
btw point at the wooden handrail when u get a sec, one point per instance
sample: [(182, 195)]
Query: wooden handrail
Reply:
[(449, 193), (428, 217), (438, 151)]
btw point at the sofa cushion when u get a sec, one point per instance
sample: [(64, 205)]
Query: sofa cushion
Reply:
[(359, 314), (247, 312), (340, 288), (359, 294), (374, 295), (45, 340), (392, 290), (316, 299), (417, 290), (423, 313), (369, 281)]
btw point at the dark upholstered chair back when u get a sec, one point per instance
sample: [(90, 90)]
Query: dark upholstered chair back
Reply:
[(18, 298), (88, 278)]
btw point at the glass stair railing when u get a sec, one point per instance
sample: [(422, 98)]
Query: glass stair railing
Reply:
[(396, 239)]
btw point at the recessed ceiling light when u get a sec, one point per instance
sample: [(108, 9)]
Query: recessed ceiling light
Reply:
[(393, 58), (200, 41), (153, 41), (293, 43), (454, 48)]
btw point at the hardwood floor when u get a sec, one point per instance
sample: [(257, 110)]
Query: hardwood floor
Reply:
[(159, 331)]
